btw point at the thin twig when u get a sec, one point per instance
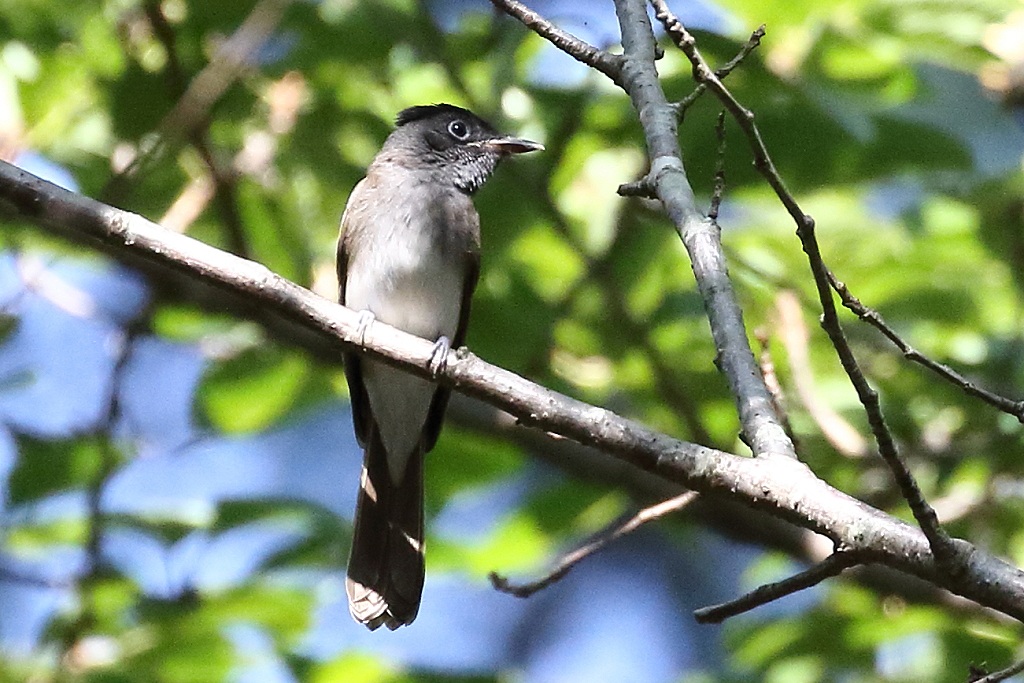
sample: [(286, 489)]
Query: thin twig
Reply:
[(833, 565), (999, 675), (596, 543), (719, 187), (703, 74), (873, 318), (941, 544), (752, 43), (605, 62)]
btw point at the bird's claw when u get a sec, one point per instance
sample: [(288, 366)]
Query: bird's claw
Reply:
[(439, 356), (366, 319)]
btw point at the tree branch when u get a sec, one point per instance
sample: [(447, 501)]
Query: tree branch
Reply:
[(833, 565), (752, 44), (782, 487), (872, 317), (999, 675), (941, 544), (605, 62), (599, 541), (206, 88), (223, 175), (761, 429)]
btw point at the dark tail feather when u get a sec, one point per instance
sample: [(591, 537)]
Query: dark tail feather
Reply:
[(385, 567)]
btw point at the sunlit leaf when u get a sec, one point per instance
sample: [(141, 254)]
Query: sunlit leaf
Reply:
[(253, 389)]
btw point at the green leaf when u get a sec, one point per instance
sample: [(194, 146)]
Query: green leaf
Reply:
[(47, 467), (253, 390)]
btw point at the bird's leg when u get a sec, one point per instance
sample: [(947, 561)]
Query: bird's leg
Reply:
[(366, 318), (439, 356)]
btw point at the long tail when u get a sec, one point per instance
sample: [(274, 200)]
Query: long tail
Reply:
[(385, 567)]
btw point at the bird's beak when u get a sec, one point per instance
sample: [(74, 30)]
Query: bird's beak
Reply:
[(507, 145)]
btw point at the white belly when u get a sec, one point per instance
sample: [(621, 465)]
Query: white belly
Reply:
[(409, 283)]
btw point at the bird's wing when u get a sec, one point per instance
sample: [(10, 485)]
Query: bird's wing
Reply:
[(362, 417)]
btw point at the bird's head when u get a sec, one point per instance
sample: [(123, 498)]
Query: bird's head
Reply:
[(453, 143)]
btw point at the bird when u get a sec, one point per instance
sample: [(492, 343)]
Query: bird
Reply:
[(408, 256)]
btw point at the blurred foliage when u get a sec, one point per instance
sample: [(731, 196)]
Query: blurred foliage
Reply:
[(876, 118)]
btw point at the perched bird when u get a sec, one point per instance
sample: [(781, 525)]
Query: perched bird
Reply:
[(409, 256)]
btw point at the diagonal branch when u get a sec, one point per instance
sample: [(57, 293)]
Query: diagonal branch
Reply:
[(600, 540), (998, 676), (605, 62), (833, 565), (782, 487), (223, 176), (873, 318), (206, 88), (761, 428), (752, 44)]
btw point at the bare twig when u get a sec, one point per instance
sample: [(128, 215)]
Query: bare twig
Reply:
[(703, 74), (752, 43), (833, 565), (719, 187), (598, 542), (605, 62), (999, 675), (638, 188), (873, 318)]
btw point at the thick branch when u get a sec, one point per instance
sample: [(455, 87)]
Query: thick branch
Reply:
[(762, 430), (941, 544), (635, 72), (782, 487)]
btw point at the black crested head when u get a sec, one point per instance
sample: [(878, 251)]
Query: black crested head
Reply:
[(453, 144), (426, 111)]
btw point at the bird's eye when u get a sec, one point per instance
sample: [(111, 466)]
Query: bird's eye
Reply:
[(458, 130)]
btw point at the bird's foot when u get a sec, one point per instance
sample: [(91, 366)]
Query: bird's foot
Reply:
[(439, 356), (366, 319)]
